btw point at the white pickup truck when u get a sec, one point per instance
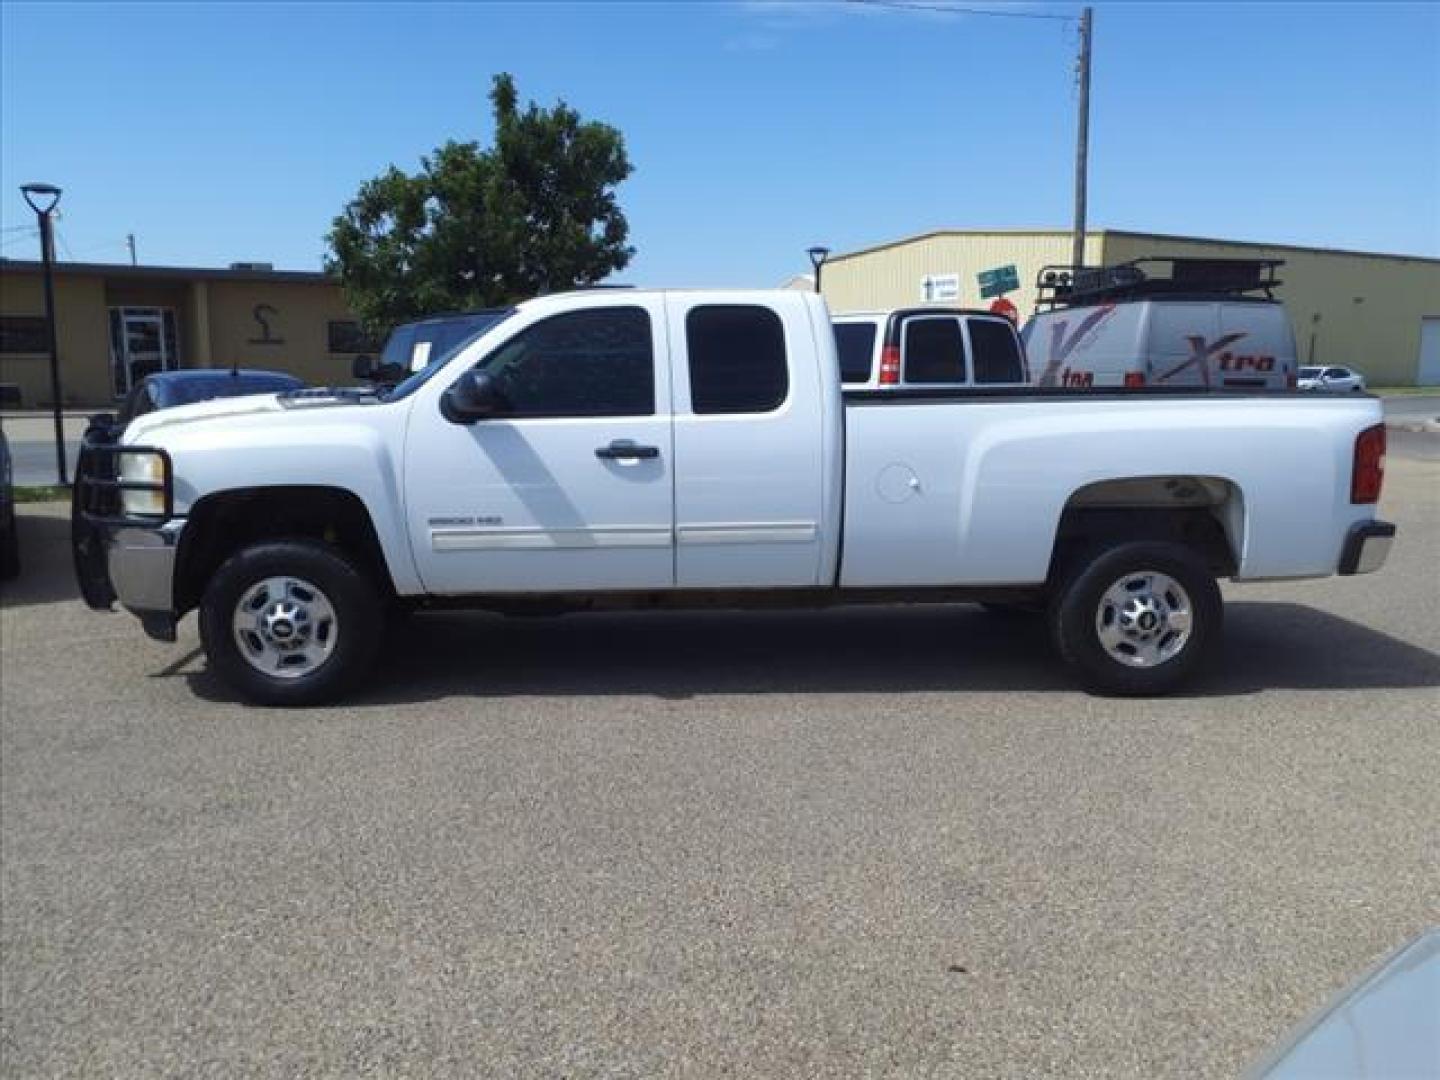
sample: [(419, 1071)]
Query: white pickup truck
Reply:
[(613, 448)]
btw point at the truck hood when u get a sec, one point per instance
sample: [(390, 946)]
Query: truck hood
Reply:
[(145, 427)]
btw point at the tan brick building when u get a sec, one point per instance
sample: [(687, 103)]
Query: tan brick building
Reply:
[(116, 324)]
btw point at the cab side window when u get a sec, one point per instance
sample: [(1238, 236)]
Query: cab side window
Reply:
[(598, 362), (737, 359)]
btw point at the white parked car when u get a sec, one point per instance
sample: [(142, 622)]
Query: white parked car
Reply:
[(1162, 322), (1331, 378), (928, 346), (624, 449)]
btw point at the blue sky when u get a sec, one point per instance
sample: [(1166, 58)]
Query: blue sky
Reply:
[(226, 132)]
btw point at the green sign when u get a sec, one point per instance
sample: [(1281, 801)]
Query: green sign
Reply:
[(999, 281)]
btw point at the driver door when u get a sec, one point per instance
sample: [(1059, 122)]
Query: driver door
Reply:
[(569, 486)]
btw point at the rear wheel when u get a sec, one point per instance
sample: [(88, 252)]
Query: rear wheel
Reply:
[(1138, 618), (290, 623)]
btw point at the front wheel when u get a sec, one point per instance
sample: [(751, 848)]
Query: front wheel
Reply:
[(290, 622), (1137, 619)]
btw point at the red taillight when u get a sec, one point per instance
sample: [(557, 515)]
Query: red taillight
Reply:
[(890, 365), (1134, 380), (1369, 469)]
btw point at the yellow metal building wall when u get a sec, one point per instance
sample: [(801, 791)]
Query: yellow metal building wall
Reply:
[(891, 276), (1358, 310)]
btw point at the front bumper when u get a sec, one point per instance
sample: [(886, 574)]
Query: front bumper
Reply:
[(140, 563), (1367, 547)]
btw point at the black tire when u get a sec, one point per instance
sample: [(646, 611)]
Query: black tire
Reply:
[(359, 620), (9, 550), (1077, 603)]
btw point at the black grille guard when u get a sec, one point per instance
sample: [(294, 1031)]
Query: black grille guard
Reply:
[(95, 509)]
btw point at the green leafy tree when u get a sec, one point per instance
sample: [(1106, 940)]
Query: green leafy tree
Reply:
[(481, 227)]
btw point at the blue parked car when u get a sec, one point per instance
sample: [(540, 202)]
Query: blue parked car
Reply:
[(167, 389)]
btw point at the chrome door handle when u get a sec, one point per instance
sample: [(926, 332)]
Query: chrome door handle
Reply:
[(622, 449)]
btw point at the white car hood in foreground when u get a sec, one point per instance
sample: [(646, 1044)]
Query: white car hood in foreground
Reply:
[(1384, 1027)]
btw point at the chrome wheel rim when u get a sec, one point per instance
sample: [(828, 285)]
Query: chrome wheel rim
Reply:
[(285, 627), (1144, 619)]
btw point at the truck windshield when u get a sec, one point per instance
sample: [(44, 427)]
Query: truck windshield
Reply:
[(442, 348)]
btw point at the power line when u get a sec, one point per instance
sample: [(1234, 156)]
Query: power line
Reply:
[(947, 9)]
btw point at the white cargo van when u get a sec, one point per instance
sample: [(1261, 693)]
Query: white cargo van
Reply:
[(1162, 322)]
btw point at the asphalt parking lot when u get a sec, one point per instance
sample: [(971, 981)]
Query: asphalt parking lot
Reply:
[(867, 842)]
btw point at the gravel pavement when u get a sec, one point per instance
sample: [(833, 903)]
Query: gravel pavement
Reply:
[(854, 843)]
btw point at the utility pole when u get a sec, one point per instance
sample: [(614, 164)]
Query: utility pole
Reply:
[(130, 243), (1082, 139)]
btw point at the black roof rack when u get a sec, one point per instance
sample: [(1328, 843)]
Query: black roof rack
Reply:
[(1155, 275)]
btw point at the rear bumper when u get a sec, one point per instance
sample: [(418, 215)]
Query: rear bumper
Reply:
[(1367, 547)]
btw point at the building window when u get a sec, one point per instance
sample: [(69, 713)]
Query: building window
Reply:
[(737, 359), (23, 334), (143, 341), (348, 336)]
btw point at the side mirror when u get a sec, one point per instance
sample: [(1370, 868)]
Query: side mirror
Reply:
[(474, 396), (363, 367)]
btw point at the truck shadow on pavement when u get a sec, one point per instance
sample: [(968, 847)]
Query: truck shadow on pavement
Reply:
[(46, 572), (843, 651)]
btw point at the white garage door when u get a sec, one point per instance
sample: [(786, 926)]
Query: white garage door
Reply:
[(1429, 370)]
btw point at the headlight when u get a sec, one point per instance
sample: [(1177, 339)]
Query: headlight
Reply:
[(143, 468)]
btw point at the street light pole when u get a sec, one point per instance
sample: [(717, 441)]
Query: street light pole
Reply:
[(36, 194), (818, 255), (1082, 140)]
